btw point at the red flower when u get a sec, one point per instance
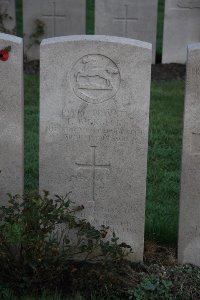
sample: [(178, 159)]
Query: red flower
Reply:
[(4, 55)]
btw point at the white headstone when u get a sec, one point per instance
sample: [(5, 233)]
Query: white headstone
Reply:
[(11, 118), (55, 17), (127, 18), (94, 128), (189, 229), (8, 16), (181, 27)]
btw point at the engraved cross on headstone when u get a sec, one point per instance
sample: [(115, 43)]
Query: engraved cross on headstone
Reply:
[(126, 19), (93, 166), (54, 18)]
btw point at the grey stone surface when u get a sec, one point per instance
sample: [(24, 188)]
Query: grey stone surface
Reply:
[(181, 27), (94, 115), (127, 18), (189, 228), (11, 118), (60, 18), (8, 13)]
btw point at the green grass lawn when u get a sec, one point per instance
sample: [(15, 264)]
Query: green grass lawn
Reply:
[(165, 140)]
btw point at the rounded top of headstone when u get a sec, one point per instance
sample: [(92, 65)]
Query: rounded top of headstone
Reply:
[(97, 38), (195, 46), (10, 38)]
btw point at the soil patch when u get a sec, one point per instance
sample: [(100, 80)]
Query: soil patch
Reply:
[(168, 72)]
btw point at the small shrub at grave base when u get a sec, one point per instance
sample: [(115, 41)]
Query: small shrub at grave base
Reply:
[(153, 288), (44, 246)]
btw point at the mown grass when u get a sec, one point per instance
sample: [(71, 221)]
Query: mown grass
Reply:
[(160, 23), (31, 124), (19, 17), (165, 140)]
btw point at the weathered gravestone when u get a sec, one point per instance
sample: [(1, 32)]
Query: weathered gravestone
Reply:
[(51, 18), (127, 18), (189, 230), (181, 27), (11, 117), (94, 128), (7, 16)]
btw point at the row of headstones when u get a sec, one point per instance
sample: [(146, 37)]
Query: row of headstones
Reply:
[(94, 117), (126, 18)]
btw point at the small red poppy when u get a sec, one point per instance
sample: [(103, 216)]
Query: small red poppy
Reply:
[(4, 55)]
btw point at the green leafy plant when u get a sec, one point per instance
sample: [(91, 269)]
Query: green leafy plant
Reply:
[(43, 243), (152, 288), (38, 32)]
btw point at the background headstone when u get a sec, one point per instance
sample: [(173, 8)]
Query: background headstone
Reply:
[(8, 16), (189, 230), (55, 18), (127, 18), (95, 94), (11, 118), (181, 27)]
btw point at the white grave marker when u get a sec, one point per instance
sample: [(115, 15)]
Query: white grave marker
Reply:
[(127, 18), (57, 18), (94, 128), (189, 229), (181, 27), (11, 118)]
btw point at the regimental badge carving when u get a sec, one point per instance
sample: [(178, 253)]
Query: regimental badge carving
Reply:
[(189, 3), (95, 78)]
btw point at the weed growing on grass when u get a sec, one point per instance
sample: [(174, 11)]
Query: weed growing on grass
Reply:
[(153, 288)]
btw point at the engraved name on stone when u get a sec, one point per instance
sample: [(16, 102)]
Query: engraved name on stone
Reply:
[(54, 17), (126, 19), (95, 78), (189, 4)]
